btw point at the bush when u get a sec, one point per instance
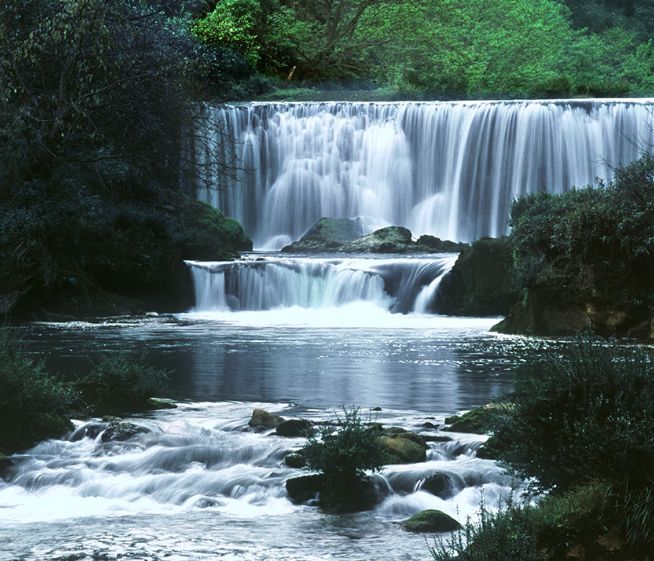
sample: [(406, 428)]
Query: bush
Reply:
[(584, 417), (33, 404), (346, 452), (507, 535), (120, 383)]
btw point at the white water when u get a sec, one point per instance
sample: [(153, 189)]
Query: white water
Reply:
[(201, 486), (448, 169), (398, 284)]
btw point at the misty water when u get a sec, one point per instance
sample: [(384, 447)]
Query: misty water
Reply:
[(200, 486), (304, 336)]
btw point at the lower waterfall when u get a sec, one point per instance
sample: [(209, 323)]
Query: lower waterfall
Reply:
[(256, 283)]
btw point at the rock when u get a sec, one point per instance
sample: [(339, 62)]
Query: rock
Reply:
[(429, 425), (328, 234), (160, 403), (294, 428), (344, 235), (120, 431), (442, 485), (294, 460), (262, 420), (436, 438), (304, 488), (352, 496), (377, 409), (431, 521), (476, 421), (89, 430), (6, 466), (402, 450), (483, 281), (431, 244)]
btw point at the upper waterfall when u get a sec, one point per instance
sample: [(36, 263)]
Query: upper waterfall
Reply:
[(450, 169)]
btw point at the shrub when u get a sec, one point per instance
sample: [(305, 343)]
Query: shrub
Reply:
[(120, 383), (587, 416), (33, 404), (507, 535), (346, 452)]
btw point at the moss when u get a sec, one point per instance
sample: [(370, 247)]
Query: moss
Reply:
[(431, 521), (476, 421)]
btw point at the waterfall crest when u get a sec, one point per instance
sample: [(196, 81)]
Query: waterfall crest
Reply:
[(398, 284), (450, 169)]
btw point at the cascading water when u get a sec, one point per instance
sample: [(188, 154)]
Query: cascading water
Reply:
[(400, 284), (447, 169)]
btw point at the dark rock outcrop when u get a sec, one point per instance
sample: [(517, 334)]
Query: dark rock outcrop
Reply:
[(339, 236), (120, 431), (305, 488), (294, 428), (482, 281), (294, 460)]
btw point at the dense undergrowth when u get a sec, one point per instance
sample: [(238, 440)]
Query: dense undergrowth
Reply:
[(581, 425), (585, 259), (36, 404)]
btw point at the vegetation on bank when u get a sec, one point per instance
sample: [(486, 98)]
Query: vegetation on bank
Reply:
[(450, 48), (36, 404), (585, 259), (581, 425), (93, 219)]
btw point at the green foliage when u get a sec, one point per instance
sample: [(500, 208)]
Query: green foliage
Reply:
[(585, 417), (504, 536), (590, 245), (346, 452), (34, 405), (120, 383), (232, 24)]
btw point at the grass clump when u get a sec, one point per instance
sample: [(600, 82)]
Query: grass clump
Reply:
[(121, 382), (343, 454), (34, 405)]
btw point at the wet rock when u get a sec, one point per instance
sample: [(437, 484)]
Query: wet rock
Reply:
[(403, 450), (159, 403), (120, 431), (442, 485), (376, 409), (429, 425), (482, 281), (431, 521), (262, 420), (294, 428), (346, 236), (305, 488), (6, 466), (294, 460), (352, 495), (436, 438), (328, 234), (476, 421), (89, 430)]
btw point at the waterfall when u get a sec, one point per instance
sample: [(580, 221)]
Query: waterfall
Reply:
[(450, 169), (399, 284)]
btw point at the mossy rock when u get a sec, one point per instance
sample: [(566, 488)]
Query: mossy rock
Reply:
[(328, 234), (120, 431), (476, 421), (483, 281), (402, 450), (155, 403), (263, 420), (431, 521)]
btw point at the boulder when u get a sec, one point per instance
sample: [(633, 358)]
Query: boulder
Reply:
[(6, 466), (89, 430), (352, 495), (305, 488), (402, 450), (483, 281), (294, 428), (262, 420), (431, 521), (155, 403), (345, 235), (476, 421), (328, 234), (442, 485), (294, 460), (120, 431)]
